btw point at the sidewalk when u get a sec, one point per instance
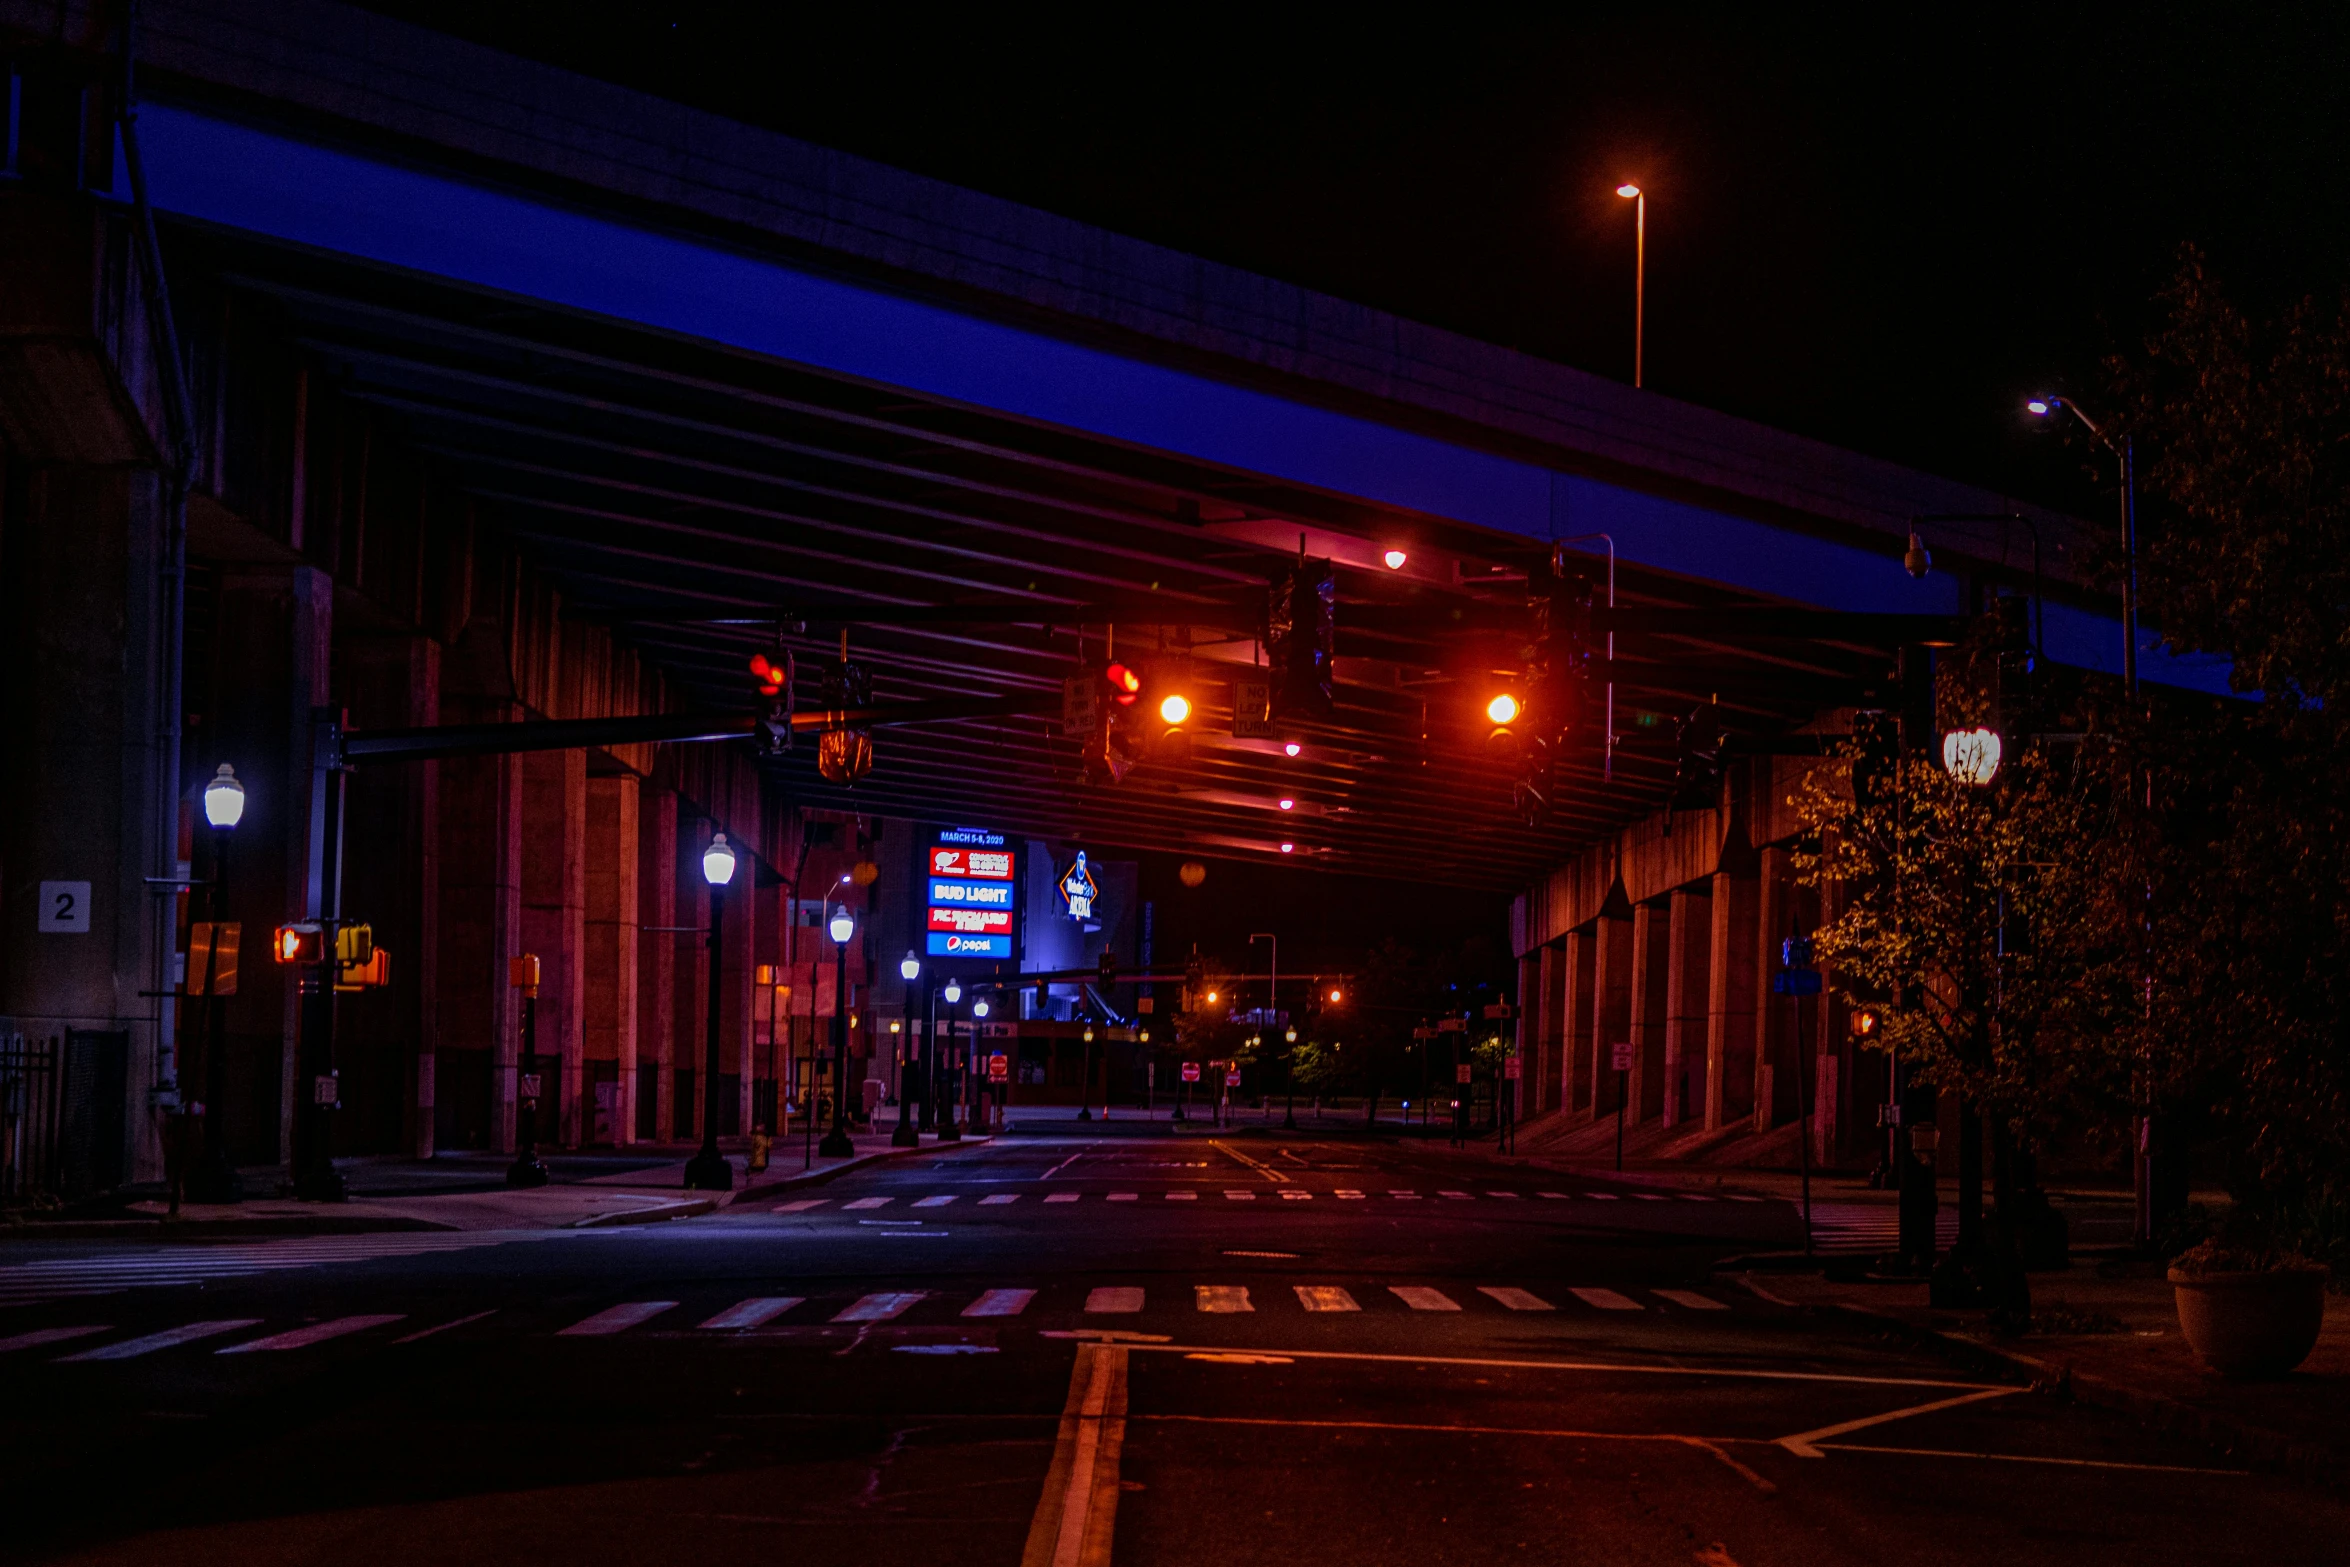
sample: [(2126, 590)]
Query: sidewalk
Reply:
[(644, 1184), (2106, 1333)]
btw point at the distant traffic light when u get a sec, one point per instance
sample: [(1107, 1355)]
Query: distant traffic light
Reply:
[(775, 677), (1301, 640), (844, 752), (1697, 756), (1864, 1023)]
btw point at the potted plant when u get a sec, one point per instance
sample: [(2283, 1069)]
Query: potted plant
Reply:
[(2249, 1311)]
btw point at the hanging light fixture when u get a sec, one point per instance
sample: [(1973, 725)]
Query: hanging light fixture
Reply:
[(224, 798), (718, 861), (1971, 755)]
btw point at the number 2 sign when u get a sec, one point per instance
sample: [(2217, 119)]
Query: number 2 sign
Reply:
[(65, 907)]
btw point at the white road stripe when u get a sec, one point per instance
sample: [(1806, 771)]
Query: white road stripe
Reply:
[(932, 1202), (1651, 1197), (41, 1336), (1459, 1196), (1347, 1196), (1222, 1297), (869, 1202), (1695, 1197), (1122, 1196), (315, 1333), (443, 1327), (1240, 1196), (169, 1338), (1691, 1299), (750, 1313), (1606, 1300), (1000, 1303), (1292, 1194), (1183, 1197), (1324, 1297), (616, 1319), (999, 1199), (1603, 1196), (1512, 1196), (880, 1307), (1114, 1298), (1405, 1196), (1421, 1298), (803, 1205), (1062, 1196), (1553, 1196), (1516, 1299)]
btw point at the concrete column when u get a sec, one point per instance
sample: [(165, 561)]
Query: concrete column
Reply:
[(1611, 1002), (480, 928), (690, 1015), (1729, 1040), (1687, 969), (1548, 1069), (741, 957), (554, 914), (311, 637), (1774, 1015), (1651, 924), (656, 953), (611, 963), (1575, 1004)]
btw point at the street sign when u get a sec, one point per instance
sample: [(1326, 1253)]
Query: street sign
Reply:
[(1191, 1071), (1511, 1069), (1252, 710), (1460, 1072), (1423, 1033), (1501, 1009), (65, 908), (1452, 1025), (1796, 982), (999, 1068), (1232, 1077), (326, 1091), (1620, 1055), (530, 1085)]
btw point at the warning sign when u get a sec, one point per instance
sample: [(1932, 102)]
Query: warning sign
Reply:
[(1191, 1071)]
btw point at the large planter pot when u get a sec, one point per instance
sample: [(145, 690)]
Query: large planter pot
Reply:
[(2251, 1325)]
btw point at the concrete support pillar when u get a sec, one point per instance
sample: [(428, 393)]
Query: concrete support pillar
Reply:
[(1650, 924), (387, 1040), (1548, 1070), (1776, 1058), (480, 928), (656, 960), (736, 1036), (1611, 1006), (1575, 1003), (554, 920), (610, 962), (1730, 987), (1688, 967), (690, 1014), (310, 608)]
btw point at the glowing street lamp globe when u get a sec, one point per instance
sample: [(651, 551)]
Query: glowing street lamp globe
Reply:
[(842, 926), (718, 861), (1971, 755), (979, 1009), (224, 798), (954, 991), (910, 966)]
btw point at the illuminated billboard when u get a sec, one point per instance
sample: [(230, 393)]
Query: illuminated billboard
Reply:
[(973, 895)]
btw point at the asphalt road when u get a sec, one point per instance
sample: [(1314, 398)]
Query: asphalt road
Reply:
[(1142, 1349)]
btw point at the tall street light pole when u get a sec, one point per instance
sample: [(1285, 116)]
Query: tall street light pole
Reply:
[(1639, 199), (215, 1179), (942, 1086), (840, 928), (708, 1170), (910, 967)]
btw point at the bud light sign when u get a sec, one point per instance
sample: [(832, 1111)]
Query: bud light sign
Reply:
[(973, 894)]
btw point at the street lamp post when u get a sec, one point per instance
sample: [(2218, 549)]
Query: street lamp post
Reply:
[(976, 1117), (708, 1170), (942, 1086), (1639, 199), (840, 928), (906, 1136), (214, 1178), (1085, 1079)]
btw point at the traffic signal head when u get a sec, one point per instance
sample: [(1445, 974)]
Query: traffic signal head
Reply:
[(1125, 685), (1174, 708), (774, 674), (1864, 1022), (770, 675), (299, 943), (1301, 635), (1503, 710)]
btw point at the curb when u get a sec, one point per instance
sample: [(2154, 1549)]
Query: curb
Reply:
[(188, 1231), (673, 1210), (2255, 1446), (833, 1172)]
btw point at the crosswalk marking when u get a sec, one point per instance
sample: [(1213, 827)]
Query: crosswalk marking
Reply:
[(998, 1199), (750, 1313), (59, 1277), (1347, 1196), (169, 1338), (315, 1333), (1000, 1303), (1605, 1300), (1222, 1297), (1183, 1197), (1292, 1194), (616, 1319), (1324, 1297), (1062, 1196), (869, 1202), (1240, 1196), (1512, 1196), (1516, 1299), (1122, 1196), (1553, 1196), (1603, 1196), (1459, 1196), (1114, 1298), (1421, 1298), (41, 1336), (1695, 1197), (932, 1202), (1405, 1196), (1651, 1197), (803, 1205), (880, 1307), (443, 1327), (1691, 1299), (1742, 1197)]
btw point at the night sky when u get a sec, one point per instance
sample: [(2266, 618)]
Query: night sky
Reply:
[(1873, 229)]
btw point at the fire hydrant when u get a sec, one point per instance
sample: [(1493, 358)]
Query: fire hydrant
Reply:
[(759, 1144)]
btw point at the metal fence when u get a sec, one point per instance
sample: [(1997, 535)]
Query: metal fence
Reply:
[(32, 1105)]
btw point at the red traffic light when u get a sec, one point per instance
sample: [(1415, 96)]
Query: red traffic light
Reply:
[(1125, 684), (769, 674)]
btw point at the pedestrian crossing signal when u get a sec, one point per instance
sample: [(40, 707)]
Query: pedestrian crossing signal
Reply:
[(300, 943)]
